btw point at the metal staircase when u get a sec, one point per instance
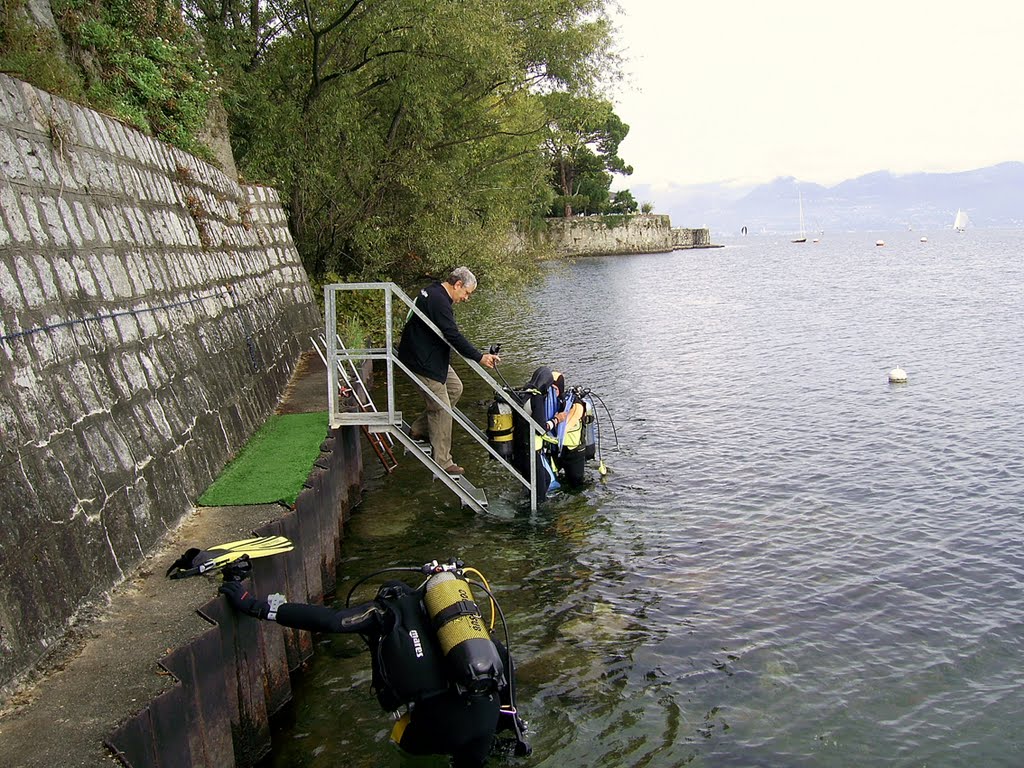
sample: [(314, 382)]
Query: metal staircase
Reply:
[(387, 425)]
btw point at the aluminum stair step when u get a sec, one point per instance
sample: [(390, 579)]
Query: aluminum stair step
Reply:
[(468, 494), (476, 493)]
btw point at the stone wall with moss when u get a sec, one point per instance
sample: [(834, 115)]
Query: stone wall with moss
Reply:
[(151, 313)]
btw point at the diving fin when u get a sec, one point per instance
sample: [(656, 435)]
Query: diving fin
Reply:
[(198, 561)]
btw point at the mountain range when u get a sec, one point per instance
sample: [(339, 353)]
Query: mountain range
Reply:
[(993, 197)]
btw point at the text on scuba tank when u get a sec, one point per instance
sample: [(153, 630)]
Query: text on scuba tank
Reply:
[(474, 620), (416, 644)]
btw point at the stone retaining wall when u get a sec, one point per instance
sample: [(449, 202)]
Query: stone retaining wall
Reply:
[(151, 313)]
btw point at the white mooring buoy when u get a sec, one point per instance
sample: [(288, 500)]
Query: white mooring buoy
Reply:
[(897, 376)]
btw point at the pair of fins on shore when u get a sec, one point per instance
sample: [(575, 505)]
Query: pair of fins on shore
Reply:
[(195, 561)]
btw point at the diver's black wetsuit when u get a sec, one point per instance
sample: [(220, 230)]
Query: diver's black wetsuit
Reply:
[(441, 719)]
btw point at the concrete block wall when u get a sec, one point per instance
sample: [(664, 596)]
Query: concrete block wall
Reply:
[(151, 313)]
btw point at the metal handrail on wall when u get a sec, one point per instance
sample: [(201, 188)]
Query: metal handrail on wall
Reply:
[(390, 419)]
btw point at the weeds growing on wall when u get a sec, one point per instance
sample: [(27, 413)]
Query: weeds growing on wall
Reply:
[(133, 59), (28, 52), (142, 64), (614, 221)]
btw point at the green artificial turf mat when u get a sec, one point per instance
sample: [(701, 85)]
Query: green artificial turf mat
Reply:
[(273, 465)]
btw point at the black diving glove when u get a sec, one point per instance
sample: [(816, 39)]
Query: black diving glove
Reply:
[(243, 602)]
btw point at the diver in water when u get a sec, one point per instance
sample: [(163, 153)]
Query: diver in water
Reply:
[(567, 416), (567, 427), (431, 653)]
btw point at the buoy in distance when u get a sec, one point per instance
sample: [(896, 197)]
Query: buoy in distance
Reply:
[(897, 376), (879, 242)]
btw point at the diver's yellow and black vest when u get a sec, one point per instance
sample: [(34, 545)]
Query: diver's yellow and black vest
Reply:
[(574, 427)]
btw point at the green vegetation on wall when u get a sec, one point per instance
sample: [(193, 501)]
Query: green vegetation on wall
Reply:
[(140, 63), (133, 59), (30, 52)]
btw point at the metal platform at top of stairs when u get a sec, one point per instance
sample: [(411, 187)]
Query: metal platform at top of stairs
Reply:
[(386, 424)]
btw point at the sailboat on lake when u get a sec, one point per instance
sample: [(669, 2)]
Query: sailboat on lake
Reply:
[(803, 232), (960, 222)]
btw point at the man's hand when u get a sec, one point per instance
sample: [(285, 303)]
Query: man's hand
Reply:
[(489, 361)]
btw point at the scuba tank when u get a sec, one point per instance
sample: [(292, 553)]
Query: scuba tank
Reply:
[(499, 428), (473, 661), (590, 427), (499, 418), (521, 435)]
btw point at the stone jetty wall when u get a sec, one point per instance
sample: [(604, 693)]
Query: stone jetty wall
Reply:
[(605, 235), (151, 312)]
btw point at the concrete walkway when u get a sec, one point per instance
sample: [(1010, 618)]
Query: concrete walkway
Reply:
[(106, 668)]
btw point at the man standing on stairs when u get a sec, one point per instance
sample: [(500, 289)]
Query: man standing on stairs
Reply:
[(428, 356)]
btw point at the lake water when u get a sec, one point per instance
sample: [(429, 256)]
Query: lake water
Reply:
[(792, 562)]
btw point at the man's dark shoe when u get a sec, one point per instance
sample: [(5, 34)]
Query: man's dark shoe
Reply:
[(419, 438)]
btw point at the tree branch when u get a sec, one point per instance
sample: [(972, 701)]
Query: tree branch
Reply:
[(481, 137)]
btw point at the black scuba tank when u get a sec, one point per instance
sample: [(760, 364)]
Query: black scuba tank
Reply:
[(522, 438), (474, 664)]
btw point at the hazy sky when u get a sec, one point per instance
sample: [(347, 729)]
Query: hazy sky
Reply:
[(749, 90)]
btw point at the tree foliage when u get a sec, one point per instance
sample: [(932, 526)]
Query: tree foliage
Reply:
[(623, 202), (406, 135), (582, 143)]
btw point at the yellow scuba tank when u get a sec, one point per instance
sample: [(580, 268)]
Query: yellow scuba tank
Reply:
[(473, 660), (499, 428)]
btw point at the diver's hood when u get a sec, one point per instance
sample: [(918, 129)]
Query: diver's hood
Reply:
[(541, 380)]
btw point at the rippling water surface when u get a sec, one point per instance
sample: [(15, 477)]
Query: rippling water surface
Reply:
[(791, 563)]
